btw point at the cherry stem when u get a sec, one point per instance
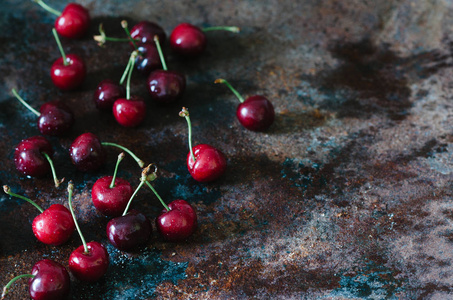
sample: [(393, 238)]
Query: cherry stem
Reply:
[(227, 28), (144, 178), (60, 47), (7, 190), (161, 55), (48, 8), (157, 195), (126, 29), (126, 71), (120, 158), (52, 168), (131, 69), (220, 80), (25, 103), (140, 162), (10, 283), (185, 114), (102, 37), (70, 191)]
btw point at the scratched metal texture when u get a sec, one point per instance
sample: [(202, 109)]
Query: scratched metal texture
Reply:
[(347, 196)]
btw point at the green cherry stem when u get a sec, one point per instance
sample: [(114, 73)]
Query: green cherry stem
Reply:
[(157, 195), (102, 37), (144, 178), (60, 47), (226, 28), (184, 113), (235, 92), (10, 283), (161, 55), (7, 190), (140, 162), (47, 7), (131, 69), (70, 191), (128, 70), (52, 168), (126, 29), (120, 158), (25, 103)]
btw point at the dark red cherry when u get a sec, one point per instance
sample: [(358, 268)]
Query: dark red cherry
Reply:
[(209, 163), (145, 32), (178, 223), (148, 58), (54, 226), (111, 201), (107, 93), (256, 113), (50, 282), (129, 231), (29, 158), (188, 40), (87, 152), (73, 22), (166, 86), (56, 118), (129, 112), (89, 266), (70, 75)]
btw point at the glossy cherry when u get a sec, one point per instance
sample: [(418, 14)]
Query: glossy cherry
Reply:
[(178, 223), (90, 261), (204, 162), (255, 113), (189, 40), (53, 226), (48, 280), (67, 72), (54, 118), (165, 86), (111, 194), (148, 58), (129, 111), (107, 92), (133, 228), (145, 32)]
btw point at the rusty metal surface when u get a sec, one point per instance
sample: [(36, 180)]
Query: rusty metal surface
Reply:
[(347, 196)]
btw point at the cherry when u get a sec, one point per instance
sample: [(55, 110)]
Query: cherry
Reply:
[(49, 280), (68, 71), (73, 22), (133, 228), (129, 111), (32, 157), (177, 221), (110, 194), (54, 118), (88, 154), (90, 261), (256, 113), (165, 86), (53, 226), (204, 162), (145, 32), (107, 93), (189, 40)]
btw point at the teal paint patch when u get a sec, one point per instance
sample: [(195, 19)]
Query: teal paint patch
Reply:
[(302, 175)]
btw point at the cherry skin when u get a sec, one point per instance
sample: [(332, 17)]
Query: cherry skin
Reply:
[(129, 231), (145, 32), (166, 86), (209, 163), (256, 113), (89, 266), (29, 159), (51, 281), (107, 93), (188, 40), (56, 118), (87, 152), (54, 226), (73, 22), (129, 112), (178, 223), (148, 59), (69, 76), (111, 201)]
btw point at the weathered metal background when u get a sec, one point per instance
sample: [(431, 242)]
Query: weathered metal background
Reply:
[(347, 196)]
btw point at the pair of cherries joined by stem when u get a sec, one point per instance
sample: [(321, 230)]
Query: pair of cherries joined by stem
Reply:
[(73, 22), (48, 280), (54, 117), (204, 162)]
